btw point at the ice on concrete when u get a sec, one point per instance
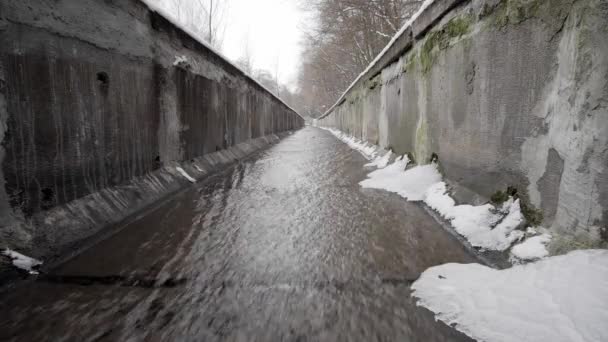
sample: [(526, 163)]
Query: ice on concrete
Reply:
[(558, 299), (380, 162), (185, 174), (484, 226), (411, 183), (368, 150), (22, 261), (533, 248)]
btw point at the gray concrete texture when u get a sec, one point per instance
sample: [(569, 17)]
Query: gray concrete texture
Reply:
[(91, 104), (507, 93)]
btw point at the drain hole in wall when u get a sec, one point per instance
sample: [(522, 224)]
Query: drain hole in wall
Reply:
[(103, 78)]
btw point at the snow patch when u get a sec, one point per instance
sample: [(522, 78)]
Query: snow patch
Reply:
[(185, 174), (533, 248), (411, 184), (22, 261), (484, 226), (558, 299), (380, 162)]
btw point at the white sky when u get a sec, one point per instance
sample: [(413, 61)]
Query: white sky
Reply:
[(273, 30)]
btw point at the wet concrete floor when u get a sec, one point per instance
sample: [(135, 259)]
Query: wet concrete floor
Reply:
[(283, 246)]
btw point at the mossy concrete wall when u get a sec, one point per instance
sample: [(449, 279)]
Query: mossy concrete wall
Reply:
[(94, 112), (506, 93)]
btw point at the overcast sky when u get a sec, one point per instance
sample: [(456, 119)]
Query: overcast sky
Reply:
[(273, 28)]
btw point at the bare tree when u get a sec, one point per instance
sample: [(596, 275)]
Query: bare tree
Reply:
[(347, 36), (266, 79), (205, 18), (213, 22), (245, 62), (276, 73)]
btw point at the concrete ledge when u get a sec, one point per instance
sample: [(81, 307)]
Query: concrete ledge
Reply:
[(432, 15), (397, 49)]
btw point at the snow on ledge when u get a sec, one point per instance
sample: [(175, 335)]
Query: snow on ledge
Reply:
[(22, 262), (399, 33), (558, 299), (160, 11)]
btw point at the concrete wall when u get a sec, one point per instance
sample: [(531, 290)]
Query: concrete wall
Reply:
[(91, 104), (507, 93)]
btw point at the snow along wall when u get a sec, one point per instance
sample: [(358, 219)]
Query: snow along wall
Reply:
[(96, 114), (506, 93)]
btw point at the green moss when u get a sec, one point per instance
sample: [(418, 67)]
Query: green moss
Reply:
[(420, 148), (440, 39), (499, 197), (410, 62), (513, 12), (532, 215), (427, 55), (374, 82), (458, 26)]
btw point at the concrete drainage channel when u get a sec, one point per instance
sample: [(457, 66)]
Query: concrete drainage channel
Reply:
[(112, 222)]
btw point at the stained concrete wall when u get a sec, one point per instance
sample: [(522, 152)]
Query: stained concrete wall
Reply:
[(507, 93), (94, 116)]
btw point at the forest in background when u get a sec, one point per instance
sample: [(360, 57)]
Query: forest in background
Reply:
[(344, 40), (341, 38)]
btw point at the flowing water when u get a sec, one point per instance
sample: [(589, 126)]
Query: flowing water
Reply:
[(283, 246)]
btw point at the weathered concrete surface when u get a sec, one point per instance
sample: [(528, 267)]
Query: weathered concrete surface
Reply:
[(507, 93), (284, 246), (94, 116)]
